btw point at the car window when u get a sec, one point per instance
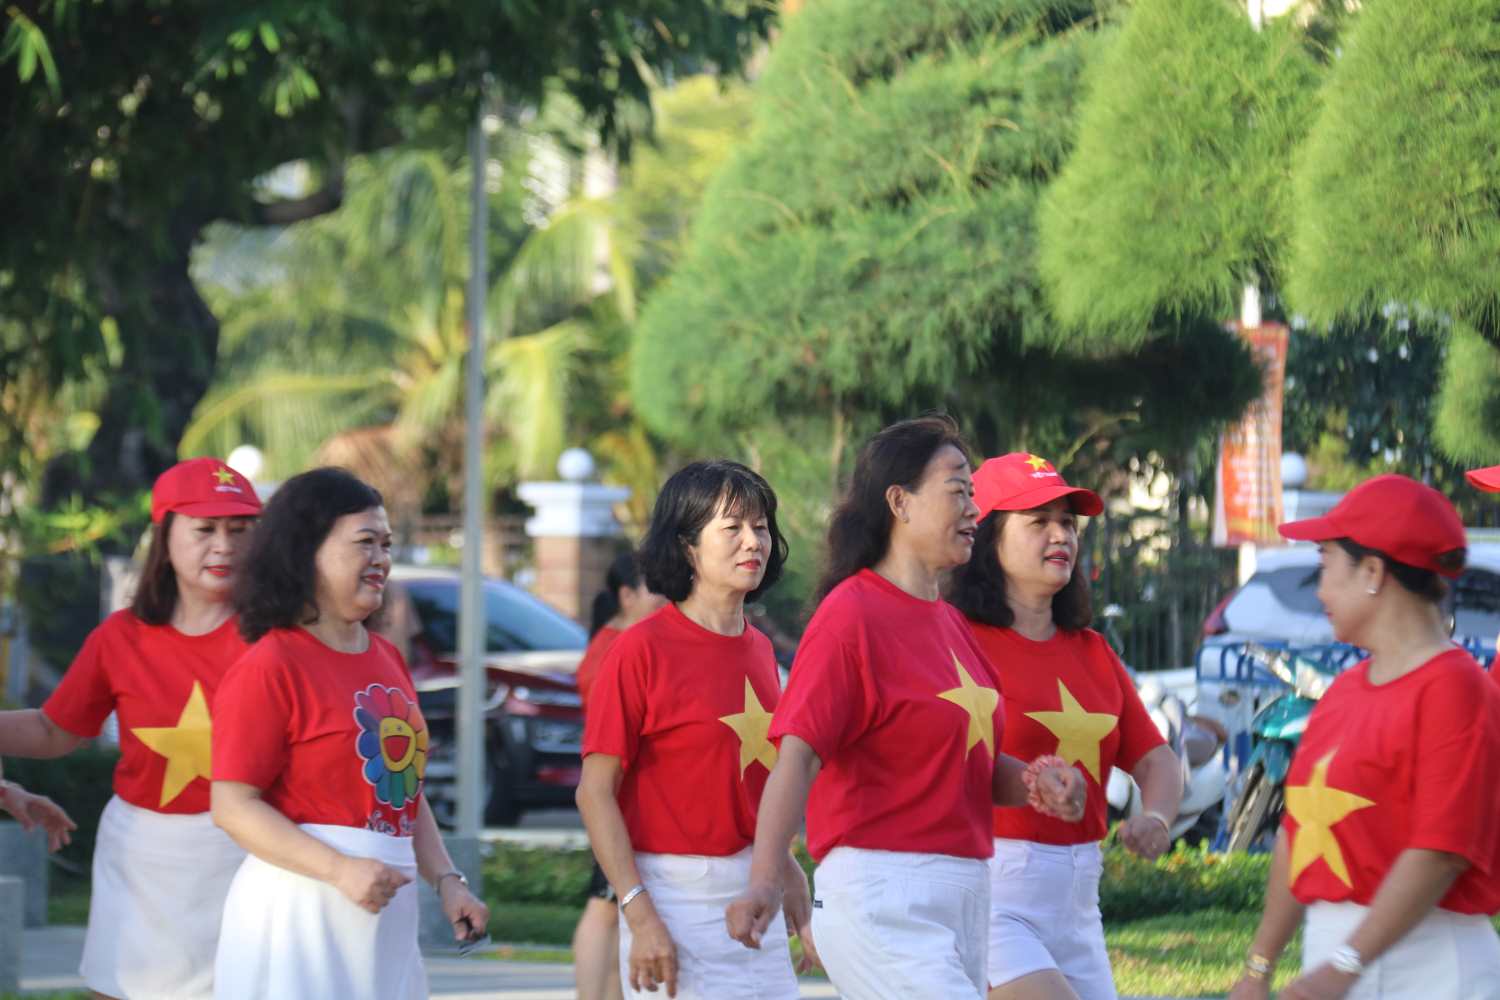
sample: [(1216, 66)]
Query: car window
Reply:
[(514, 620), (1478, 605), (1269, 595)]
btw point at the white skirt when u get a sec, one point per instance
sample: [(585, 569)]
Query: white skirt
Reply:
[(158, 893), (293, 937), (1448, 956), (690, 892), (1044, 914), (901, 926)]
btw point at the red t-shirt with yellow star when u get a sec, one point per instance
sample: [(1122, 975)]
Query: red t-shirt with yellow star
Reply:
[(329, 737), (687, 711), (1413, 763), (1068, 696), (902, 707), (160, 683), (593, 659)]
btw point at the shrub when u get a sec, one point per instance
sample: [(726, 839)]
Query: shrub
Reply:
[(1183, 881)]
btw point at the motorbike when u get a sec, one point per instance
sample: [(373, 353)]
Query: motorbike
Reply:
[(1196, 741), (1275, 731)]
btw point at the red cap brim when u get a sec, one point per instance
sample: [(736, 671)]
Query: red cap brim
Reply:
[(1487, 479), (1085, 502), (214, 508), (1313, 529)]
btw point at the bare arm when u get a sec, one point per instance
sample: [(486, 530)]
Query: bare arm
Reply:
[(1061, 791), (262, 830), (29, 733), (464, 910), (1278, 922), (1159, 775), (653, 954), (782, 805), (1007, 788)]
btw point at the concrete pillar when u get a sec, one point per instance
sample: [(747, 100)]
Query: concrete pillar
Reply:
[(436, 933), (12, 901), (24, 856), (574, 533)]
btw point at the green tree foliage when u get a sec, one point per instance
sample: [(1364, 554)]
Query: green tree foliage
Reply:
[(1177, 192), (129, 131)]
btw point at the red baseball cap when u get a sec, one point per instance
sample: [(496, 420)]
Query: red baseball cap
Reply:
[(1022, 481), (203, 487), (1394, 515), (1487, 479)]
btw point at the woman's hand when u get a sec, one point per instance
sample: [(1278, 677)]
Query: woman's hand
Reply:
[(1323, 983), (797, 906), (749, 914), (367, 883), (1251, 988), (466, 912), (32, 811), (653, 955), (1145, 836), (1062, 792)]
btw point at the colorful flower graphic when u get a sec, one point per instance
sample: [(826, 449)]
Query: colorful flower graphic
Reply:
[(393, 742)]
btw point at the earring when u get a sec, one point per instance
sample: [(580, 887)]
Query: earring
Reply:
[(1373, 591), (905, 517)]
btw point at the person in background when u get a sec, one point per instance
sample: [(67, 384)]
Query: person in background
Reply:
[(32, 811), (161, 868), (1066, 693), (318, 766), (1389, 853), (889, 736), (1488, 479), (676, 750), (624, 601)]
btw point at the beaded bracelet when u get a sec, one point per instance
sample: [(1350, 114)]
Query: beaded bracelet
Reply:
[(1029, 778)]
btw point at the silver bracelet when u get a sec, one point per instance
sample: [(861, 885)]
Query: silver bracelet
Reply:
[(437, 883), (625, 899), (1346, 959)]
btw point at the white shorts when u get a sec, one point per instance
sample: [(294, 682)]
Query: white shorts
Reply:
[(900, 926), (293, 937), (690, 893), (1044, 914), (159, 885), (1448, 956)]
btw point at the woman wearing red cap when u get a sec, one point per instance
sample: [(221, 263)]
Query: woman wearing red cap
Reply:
[(1066, 694), (161, 867), (318, 766), (1488, 479), (1389, 848), (676, 751), (892, 721)]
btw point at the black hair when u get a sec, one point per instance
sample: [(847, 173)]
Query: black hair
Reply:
[(156, 593), (691, 498), (625, 571), (277, 586), (859, 532), (1423, 582), (978, 587)]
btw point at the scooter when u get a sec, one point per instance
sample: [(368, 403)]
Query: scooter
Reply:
[(1196, 741)]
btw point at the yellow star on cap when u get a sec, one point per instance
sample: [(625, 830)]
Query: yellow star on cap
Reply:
[(753, 727), (979, 701), (1037, 462), (185, 745), (224, 476), (1317, 808), (1078, 733)]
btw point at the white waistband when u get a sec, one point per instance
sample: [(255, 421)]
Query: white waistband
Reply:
[(1005, 845), (362, 843)]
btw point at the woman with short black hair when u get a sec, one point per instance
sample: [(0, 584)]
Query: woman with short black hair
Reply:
[(319, 762), (894, 710), (676, 750)]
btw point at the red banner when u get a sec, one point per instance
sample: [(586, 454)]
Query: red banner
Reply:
[(1247, 498)]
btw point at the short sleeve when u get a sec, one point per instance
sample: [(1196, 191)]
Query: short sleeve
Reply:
[(252, 715), (1138, 732), (617, 701), (824, 702), (1455, 780), (85, 697)]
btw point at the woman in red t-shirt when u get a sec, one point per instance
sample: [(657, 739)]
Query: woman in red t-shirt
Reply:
[(318, 764), (895, 711), (1066, 693), (1389, 846), (676, 750), (624, 601), (160, 868)]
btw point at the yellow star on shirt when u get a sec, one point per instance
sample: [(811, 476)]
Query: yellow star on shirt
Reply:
[(1317, 808), (1037, 462), (224, 476), (752, 726), (1078, 733), (979, 701), (185, 745)]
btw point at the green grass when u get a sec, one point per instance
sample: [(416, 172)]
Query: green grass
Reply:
[(67, 899), (533, 923), (1195, 954)]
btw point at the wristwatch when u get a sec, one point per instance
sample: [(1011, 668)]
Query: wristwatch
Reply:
[(1346, 959)]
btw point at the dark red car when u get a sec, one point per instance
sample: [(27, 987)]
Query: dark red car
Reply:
[(533, 715)]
